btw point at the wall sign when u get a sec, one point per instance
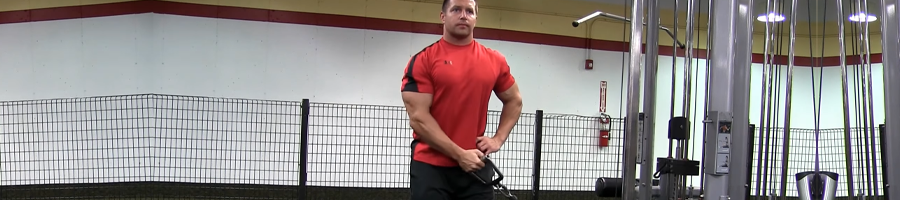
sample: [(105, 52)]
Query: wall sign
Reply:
[(602, 96)]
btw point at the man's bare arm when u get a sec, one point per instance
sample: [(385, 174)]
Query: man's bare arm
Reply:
[(418, 108), (512, 109)]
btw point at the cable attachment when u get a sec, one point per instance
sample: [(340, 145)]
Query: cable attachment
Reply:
[(494, 182), (505, 191)]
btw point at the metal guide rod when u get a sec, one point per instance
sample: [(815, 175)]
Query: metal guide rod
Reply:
[(613, 16), (670, 180), (647, 135), (871, 128), (688, 86), (672, 87), (706, 79), (787, 102), (890, 41), (688, 67), (774, 95), (632, 96), (859, 93), (845, 96), (766, 100), (866, 96), (671, 96), (763, 166)]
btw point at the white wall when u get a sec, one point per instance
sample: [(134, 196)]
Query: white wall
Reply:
[(167, 54), (74, 58)]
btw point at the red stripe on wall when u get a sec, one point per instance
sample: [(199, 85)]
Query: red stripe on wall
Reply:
[(15, 16), (264, 15)]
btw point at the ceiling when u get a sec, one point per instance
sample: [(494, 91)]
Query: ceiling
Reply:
[(807, 10)]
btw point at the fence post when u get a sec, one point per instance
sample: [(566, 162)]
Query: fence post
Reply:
[(536, 170), (304, 147), (751, 133), (884, 166)]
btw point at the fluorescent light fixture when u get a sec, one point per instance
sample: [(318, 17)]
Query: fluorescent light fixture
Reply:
[(862, 17), (771, 17)]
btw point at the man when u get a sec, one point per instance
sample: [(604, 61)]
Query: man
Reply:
[(446, 89)]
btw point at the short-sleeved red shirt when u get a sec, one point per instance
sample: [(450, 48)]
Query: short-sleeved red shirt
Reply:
[(461, 79)]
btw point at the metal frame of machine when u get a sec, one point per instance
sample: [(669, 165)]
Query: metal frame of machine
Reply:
[(890, 26), (729, 102)]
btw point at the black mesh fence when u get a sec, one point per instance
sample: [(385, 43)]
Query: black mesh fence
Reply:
[(572, 158), (358, 152), (867, 169), (149, 146), (153, 146), (363, 151), (516, 159)]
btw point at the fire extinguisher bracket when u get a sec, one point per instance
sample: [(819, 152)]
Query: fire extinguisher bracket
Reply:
[(604, 130)]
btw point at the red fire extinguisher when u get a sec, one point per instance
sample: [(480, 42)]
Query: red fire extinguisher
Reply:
[(604, 130)]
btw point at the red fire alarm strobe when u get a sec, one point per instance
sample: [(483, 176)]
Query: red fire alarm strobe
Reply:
[(588, 64), (604, 130)]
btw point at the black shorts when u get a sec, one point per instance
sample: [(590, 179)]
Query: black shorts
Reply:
[(429, 182)]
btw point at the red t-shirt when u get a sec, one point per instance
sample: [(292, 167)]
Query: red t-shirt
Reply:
[(461, 79)]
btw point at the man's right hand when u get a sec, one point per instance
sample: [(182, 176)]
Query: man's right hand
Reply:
[(470, 160)]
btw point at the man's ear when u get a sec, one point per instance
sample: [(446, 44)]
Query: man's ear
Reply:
[(442, 17)]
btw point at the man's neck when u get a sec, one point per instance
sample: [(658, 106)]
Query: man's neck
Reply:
[(458, 41)]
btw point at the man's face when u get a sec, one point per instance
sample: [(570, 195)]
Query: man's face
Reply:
[(459, 18)]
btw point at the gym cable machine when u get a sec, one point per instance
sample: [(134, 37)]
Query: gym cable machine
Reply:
[(671, 172), (728, 101)]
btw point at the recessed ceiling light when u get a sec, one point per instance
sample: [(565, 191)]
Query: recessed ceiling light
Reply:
[(862, 17), (771, 17)]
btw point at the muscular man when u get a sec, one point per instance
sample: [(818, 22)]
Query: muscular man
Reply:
[(446, 89)]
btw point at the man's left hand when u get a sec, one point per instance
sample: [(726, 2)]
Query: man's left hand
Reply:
[(488, 145)]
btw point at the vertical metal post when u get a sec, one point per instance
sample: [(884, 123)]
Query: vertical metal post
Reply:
[(848, 147), (729, 108), (743, 39), (632, 97), (751, 134), (890, 41), (786, 143), (709, 36), (884, 167), (536, 169), (870, 111), (666, 186), (647, 134), (304, 147)]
